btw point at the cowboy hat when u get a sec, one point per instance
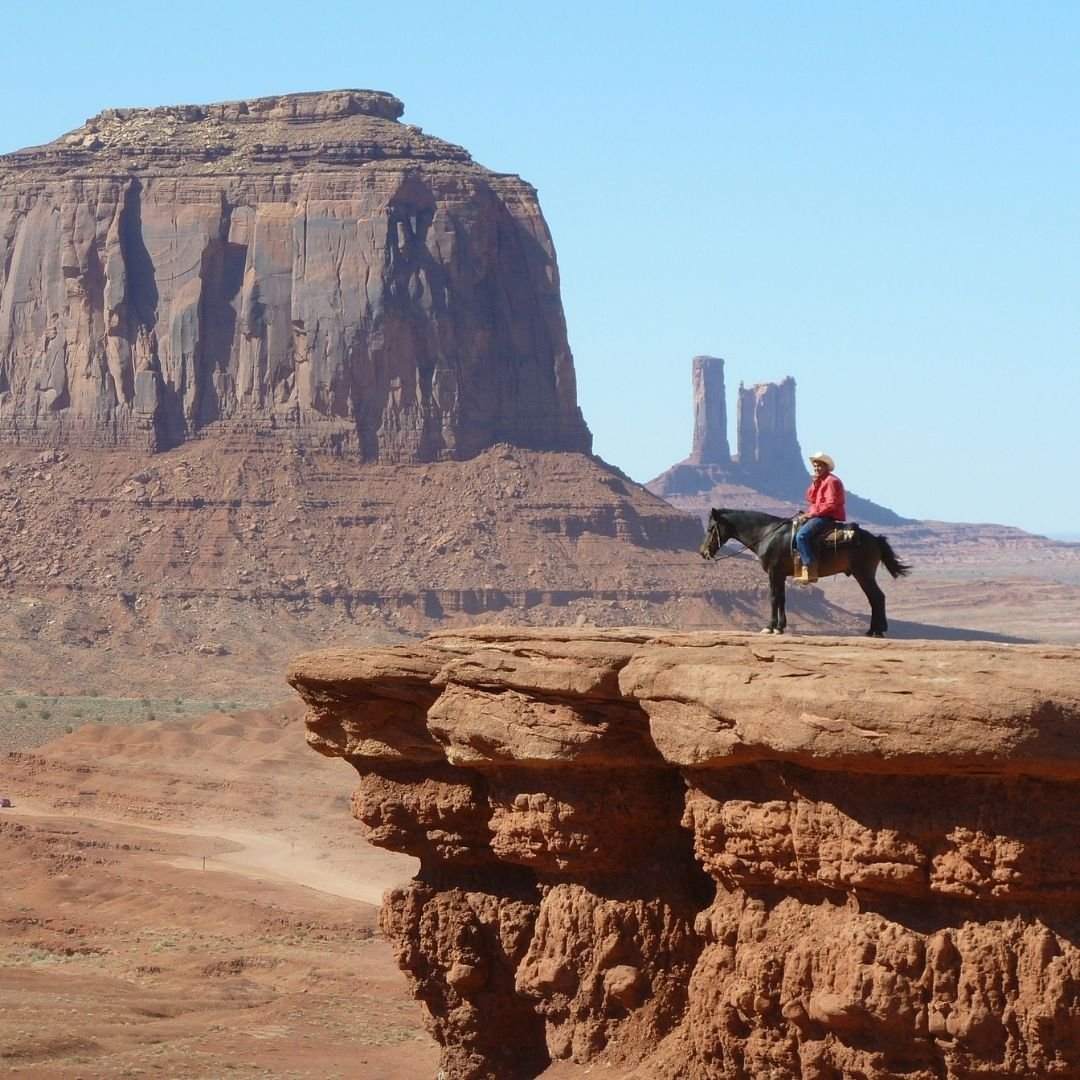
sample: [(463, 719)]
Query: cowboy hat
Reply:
[(824, 459)]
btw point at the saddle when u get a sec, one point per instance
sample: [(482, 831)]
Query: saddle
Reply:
[(844, 534), (847, 532), (841, 535)]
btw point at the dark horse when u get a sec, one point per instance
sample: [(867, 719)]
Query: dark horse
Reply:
[(770, 539)]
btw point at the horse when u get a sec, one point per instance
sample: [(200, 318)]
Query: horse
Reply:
[(770, 539)]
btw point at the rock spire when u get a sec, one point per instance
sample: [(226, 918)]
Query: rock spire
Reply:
[(767, 472), (710, 413), (768, 453)]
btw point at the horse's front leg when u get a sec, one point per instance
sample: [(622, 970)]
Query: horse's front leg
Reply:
[(778, 622)]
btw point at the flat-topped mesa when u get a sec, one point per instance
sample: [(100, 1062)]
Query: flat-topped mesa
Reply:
[(675, 852), (322, 129), (314, 105), (302, 264)]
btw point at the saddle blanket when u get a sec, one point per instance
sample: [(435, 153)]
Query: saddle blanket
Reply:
[(846, 533)]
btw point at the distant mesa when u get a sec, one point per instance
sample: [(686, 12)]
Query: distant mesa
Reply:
[(301, 264), (768, 470), (350, 338)]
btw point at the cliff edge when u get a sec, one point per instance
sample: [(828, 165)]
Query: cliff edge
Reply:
[(709, 855)]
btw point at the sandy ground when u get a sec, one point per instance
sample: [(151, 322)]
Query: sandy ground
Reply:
[(263, 857), (243, 942), (1006, 608)]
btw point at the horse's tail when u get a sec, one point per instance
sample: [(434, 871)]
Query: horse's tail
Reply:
[(889, 559)]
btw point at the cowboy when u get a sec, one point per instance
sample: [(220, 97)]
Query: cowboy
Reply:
[(825, 507)]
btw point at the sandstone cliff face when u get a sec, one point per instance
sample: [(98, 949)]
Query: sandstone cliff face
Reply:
[(706, 856), (303, 262)]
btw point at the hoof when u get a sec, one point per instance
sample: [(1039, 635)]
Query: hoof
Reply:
[(768, 630), (874, 633)]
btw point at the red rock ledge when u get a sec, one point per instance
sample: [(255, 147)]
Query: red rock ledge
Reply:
[(715, 855)]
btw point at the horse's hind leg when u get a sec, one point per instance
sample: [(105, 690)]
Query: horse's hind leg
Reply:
[(873, 592)]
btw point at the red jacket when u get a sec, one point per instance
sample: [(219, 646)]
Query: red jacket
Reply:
[(825, 498)]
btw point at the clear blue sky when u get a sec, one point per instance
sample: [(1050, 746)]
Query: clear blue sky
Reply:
[(880, 200)]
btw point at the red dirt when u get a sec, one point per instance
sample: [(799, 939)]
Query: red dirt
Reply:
[(197, 907)]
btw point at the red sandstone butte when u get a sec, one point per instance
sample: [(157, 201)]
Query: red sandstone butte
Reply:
[(302, 263), (713, 856)]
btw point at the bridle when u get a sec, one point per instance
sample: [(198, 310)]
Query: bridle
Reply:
[(714, 531)]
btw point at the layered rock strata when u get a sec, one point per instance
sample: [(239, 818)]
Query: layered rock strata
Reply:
[(304, 262), (709, 856)]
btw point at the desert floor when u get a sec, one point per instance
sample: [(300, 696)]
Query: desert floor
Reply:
[(196, 902)]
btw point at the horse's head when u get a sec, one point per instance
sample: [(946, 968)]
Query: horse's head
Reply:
[(718, 533)]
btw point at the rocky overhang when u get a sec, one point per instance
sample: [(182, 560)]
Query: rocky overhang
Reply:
[(709, 855)]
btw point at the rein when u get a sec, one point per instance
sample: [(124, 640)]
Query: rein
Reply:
[(729, 554), (747, 547)]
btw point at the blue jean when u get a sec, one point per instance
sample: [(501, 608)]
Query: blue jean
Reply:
[(804, 537)]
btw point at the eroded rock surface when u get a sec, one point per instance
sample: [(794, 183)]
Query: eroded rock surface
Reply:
[(711, 856), (303, 262)]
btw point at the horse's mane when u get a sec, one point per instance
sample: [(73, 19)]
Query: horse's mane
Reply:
[(758, 516)]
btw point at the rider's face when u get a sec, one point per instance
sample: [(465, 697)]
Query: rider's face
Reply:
[(820, 469)]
